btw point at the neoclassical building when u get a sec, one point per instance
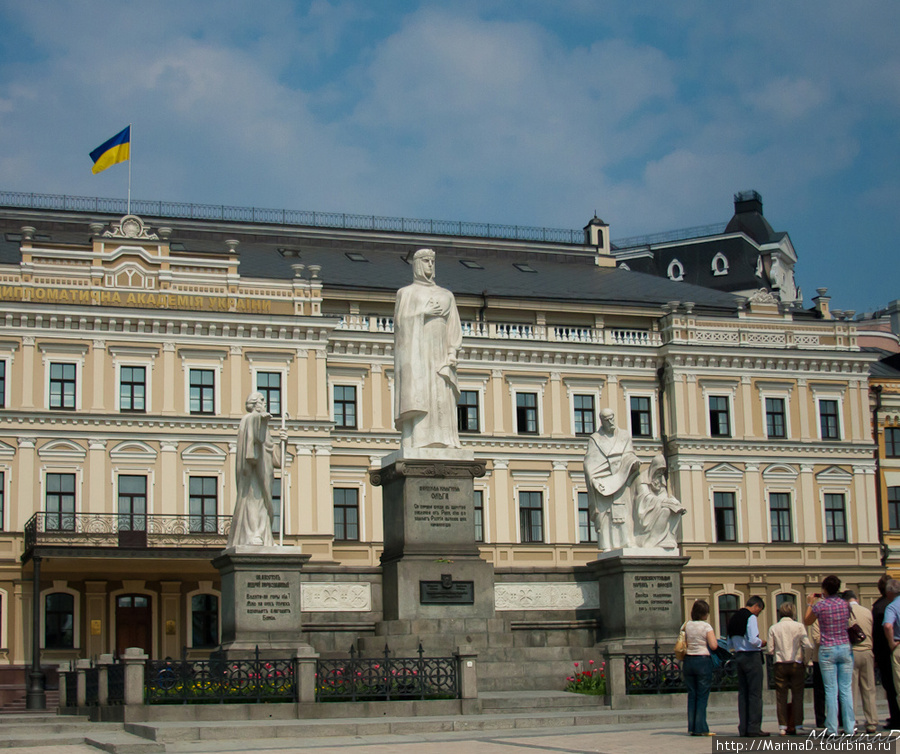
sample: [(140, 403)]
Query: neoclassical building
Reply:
[(128, 346)]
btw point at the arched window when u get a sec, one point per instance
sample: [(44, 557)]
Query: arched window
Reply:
[(675, 271), (729, 604), (783, 597), (204, 621), (719, 265), (59, 621)]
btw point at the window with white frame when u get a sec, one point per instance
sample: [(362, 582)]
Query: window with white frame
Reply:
[(59, 502), (892, 442), (2, 383), (269, 384), (776, 418), (586, 530), (893, 501), (132, 388), (276, 505), (527, 413), (346, 514), (479, 515), (719, 415), (585, 414), (202, 391), (780, 516), (835, 517), (829, 419), (345, 408), (531, 516), (2, 500), (468, 414), (63, 385), (203, 504), (641, 415), (725, 512), (59, 620), (132, 502), (728, 605)]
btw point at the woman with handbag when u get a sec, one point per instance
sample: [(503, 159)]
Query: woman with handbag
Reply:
[(697, 669)]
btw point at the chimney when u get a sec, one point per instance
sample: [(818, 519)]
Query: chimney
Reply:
[(822, 302)]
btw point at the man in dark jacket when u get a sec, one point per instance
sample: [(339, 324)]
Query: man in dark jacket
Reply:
[(883, 654), (743, 630)]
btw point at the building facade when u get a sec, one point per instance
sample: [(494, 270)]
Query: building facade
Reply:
[(128, 346)]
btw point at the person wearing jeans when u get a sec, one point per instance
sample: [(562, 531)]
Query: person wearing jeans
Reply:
[(835, 655), (696, 668), (743, 629)]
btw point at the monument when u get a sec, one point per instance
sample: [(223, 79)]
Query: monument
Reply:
[(639, 566), (260, 581), (431, 565)]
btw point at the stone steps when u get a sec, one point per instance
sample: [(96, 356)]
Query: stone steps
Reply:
[(41, 728)]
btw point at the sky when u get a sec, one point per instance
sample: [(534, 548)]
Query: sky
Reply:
[(528, 112)]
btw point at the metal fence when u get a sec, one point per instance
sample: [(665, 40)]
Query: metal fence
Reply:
[(219, 681), (658, 673), (115, 683), (386, 678)]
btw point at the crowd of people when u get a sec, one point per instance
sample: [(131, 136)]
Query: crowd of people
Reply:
[(842, 640)]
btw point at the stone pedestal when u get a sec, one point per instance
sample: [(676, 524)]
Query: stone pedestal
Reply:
[(261, 600), (431, 565), (640, 595)]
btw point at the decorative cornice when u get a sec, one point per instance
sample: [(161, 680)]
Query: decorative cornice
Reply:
[(427, 469)]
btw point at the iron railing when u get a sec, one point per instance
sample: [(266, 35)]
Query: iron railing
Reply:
[(661, 674), (385, 678), (92, 686), (339, 220), (115, 683), (218, 680), (71, 681), (132, 531)]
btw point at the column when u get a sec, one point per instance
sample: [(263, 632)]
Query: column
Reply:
[(695, 421), (376, 397), (803, 398), (863, 526), (756, 506), (300, 510), (236, 372), (612, 397), (558, 409), (170, 609), (503, 510), (170, 387), (97, 497), (748, 429), (322, 510), (98, 374), (169, 500), (301, 384), (24, 498), (561, 506), (807, 506), (29, 376), (499, 406), (375, 524), (857, 411), (96, 623), (319, 380)]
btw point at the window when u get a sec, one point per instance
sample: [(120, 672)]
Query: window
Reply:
[(835, 519), (2, 501), (345, 406), (59, 621), (132, 389), (584, 414), (783, 597), (892, 442), (640, 417), (204, 621), (724, 507), (132, 503), (893, 499), (2, 384), (479, 516), (531, 516), (526, 413), (729, 604), (780, 516), (203, 504), (276, 505), (719, 416), (828, 419), (269, 384), (202, 391), (586, 530), (775, 424), (346, 514), (62, 386), (467, 411), (60, 502)]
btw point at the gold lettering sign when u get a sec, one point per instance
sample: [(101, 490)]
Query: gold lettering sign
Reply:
[(96, 628), (170, 628), (135, 300)]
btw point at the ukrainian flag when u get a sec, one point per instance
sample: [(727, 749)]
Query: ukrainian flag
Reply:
[(116, 149)]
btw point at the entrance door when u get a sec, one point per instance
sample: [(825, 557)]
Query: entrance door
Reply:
[(133, 622)]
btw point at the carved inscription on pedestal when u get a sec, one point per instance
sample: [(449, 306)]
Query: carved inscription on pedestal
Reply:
[(268, 597), (439, 506), (654, 593)]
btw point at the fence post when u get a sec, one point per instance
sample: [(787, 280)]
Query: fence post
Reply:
[(467, 672), (63, 696), (81, 667), (614, 657), (103, 664), (134, 659), (305, 674)]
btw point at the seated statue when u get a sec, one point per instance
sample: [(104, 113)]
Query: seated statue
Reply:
[(657, 513)]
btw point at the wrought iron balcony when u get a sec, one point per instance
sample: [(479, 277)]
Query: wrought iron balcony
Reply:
[(113, 531)]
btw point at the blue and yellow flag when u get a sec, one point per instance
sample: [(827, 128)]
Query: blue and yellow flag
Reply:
[(116, 149)]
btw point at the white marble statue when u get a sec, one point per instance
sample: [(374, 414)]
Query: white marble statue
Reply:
[(427, 336), (657, 513), (611, 470), (257, 457)]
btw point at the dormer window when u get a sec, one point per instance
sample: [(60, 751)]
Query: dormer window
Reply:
[(719, 265), (675, 271)]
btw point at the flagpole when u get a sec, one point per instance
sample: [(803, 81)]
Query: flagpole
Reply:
[(130, 142)]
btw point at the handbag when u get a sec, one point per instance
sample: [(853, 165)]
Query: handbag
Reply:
[(681, 646), (855, 632), (720, 656)]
